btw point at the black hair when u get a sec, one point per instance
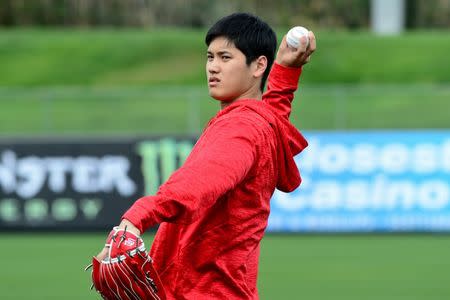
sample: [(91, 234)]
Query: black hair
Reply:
[(250, 35)]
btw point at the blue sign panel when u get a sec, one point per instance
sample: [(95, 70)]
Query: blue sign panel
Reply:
[(368, 181)]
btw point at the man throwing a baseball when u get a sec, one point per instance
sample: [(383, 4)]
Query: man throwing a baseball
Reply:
[(213, 211)]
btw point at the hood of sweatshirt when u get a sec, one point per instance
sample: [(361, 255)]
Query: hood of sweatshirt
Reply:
[(290, 141)]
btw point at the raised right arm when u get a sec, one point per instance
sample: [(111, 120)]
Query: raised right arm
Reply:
[(281, 85), (285, 73)]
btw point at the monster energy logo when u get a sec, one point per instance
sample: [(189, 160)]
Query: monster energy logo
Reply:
[(160, 158)]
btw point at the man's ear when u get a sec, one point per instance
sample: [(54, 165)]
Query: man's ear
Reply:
[(260, 66)]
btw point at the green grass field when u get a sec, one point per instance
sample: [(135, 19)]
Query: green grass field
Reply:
[(360, 267)]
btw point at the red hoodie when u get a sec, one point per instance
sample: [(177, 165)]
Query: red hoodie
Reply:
[(213, 211)]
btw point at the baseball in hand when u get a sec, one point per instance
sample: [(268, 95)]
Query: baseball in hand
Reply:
[(294, 34)]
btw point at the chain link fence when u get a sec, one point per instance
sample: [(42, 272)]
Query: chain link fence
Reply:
[(160, 110)]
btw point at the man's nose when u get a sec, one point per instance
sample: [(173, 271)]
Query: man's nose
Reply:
[(213, 67)]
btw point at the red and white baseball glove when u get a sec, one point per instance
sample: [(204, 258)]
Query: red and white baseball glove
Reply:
[(127, 273)]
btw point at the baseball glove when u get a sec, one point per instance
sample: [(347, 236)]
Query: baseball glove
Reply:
[(127, 273)]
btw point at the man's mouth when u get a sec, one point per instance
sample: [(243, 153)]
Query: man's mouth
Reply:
[(213, 81)]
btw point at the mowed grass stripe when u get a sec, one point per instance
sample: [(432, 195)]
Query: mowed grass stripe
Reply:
[(335, 267)]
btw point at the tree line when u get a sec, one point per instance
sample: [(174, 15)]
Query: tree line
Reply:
[(350, 14)]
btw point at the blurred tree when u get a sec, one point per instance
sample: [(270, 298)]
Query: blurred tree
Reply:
[(431, 13), (350, 14)]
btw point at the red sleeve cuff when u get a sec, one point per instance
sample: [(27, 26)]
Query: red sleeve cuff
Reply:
[(288, 76), (141, 214)]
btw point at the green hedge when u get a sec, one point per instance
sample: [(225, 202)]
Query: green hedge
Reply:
[(165, 56)]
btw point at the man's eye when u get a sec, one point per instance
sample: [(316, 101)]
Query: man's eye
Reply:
[(224, 57), (210, 57)]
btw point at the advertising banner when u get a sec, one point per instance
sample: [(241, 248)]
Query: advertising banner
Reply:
[(352, 181), (81, 183), (369, 181)]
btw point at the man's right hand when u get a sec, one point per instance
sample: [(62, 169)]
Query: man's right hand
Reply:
[(290, 57)]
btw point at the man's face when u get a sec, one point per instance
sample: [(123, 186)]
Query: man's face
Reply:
[(229, 77)]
